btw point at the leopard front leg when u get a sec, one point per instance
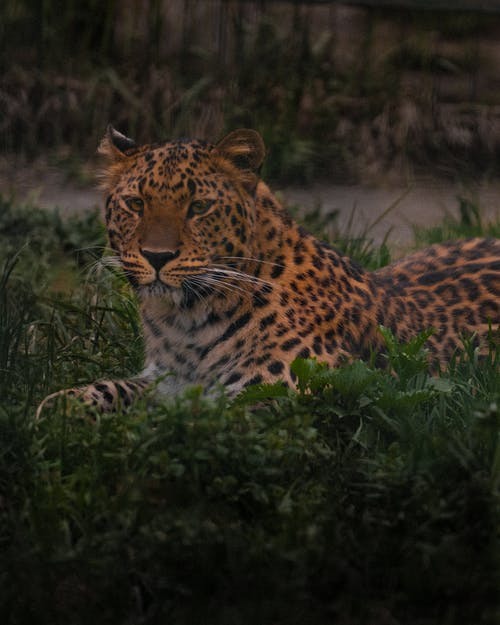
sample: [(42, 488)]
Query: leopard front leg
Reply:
[(105, 395)]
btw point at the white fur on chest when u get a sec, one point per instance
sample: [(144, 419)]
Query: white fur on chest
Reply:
[(182, 348)]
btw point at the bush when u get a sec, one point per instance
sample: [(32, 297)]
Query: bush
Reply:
[(366, 495)]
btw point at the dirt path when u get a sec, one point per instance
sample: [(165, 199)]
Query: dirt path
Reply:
[(394, 208)]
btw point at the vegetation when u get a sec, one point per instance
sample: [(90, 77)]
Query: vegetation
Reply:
[(366, 496), (469, 224), (326, 106)]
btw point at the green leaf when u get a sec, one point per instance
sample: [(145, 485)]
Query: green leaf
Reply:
[(262, 392)]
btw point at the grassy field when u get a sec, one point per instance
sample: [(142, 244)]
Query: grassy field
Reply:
[(365, 497)]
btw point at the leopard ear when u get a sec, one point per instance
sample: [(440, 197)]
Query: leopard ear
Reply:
[(114, 145), (116, 149), (244, 148)]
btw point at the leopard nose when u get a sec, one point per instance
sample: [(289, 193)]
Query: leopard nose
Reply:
[(158, 259)]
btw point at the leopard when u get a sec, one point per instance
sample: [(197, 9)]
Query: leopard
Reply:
[(232, 289)]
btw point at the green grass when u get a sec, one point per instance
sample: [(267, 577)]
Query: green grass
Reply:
[(366, 496), (469, 223)]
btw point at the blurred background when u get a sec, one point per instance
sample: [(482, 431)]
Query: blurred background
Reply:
[(357, 101)]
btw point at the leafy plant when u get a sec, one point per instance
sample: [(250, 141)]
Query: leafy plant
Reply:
[(281, 506)]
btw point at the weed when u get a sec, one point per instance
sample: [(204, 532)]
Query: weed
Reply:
[(361, 247), (468, 223)]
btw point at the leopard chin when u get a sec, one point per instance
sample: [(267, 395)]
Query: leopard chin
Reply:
[(160, 289), (185, 296)]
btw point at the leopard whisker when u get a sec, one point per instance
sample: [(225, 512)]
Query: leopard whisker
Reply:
[(88, 248), (216, 280), (112, 261), (103, 263), (249, 258), (217, 287), (195, 292), (239, 275)]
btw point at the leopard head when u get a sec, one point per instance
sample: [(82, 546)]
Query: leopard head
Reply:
[(180, 215)]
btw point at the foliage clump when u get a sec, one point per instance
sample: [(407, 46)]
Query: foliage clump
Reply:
[(366, 495)]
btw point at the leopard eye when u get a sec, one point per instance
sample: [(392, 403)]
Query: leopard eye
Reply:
[(199, 207), (135, 203)]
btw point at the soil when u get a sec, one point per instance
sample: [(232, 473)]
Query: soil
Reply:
[(390, 210)]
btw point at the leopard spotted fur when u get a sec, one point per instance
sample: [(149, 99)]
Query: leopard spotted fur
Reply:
[(232, 290)]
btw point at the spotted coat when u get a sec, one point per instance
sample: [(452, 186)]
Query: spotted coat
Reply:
[(232, 290)]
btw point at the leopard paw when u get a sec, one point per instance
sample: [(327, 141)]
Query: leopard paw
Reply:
[(104, 396)]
